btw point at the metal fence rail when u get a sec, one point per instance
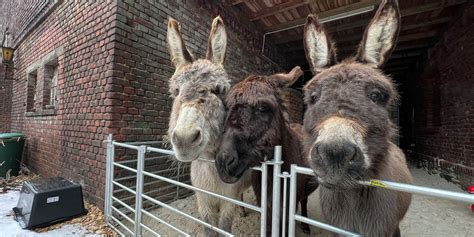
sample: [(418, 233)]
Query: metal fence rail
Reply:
[(456, 196), (140, 196), (280, 190)]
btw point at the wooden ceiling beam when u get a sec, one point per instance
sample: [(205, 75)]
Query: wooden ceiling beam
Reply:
[(426, 23), (405, 55), (286, 6), (397, 49), (325, 14), (364, 22), (401, 38), (350, 49), (431, 7), (359, 23), (394, 56), (415, 36)]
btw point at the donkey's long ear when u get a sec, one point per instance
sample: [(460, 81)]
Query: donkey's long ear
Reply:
[(320, 50), (286, 79), (217, 44), (178, 51), (381, 35)]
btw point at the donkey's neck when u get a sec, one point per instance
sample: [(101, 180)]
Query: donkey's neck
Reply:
[(291, 146)]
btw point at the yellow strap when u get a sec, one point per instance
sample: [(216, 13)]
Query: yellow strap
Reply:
[(377, 183)]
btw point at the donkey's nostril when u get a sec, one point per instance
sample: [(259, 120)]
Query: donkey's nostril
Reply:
[(197, 137), (230, 160), (354, 156), (188, 138), (314, 154), (335, 152)]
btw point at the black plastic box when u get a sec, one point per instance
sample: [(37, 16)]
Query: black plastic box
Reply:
[(46, 201)]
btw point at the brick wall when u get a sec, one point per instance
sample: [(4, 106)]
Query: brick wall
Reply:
[(444, 130), (113, 70), (67, 140), (142, 66), (6, 76)]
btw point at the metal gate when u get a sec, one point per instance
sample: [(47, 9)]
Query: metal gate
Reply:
[(136, 211)]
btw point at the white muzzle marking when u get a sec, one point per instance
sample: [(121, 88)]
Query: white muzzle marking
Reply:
[(341, 130)]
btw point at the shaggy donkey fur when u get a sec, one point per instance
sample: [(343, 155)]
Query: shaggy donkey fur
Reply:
[(197, 120), (257, 122), (348, 131)]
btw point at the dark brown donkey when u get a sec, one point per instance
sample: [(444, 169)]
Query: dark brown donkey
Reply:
[(348, 131), (256, 122)]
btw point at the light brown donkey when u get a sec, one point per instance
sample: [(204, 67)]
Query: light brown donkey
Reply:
[(197, 120), (348, 132)]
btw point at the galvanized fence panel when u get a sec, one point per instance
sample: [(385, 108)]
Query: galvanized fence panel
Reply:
[(293, 216), (138, 211)]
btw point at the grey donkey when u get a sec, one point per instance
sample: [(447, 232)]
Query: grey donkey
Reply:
[(198, 88), (348, 131)]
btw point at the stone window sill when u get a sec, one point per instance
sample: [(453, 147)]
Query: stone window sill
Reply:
[(44, 112)]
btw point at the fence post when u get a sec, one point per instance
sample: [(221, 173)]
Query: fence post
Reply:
[(109, 176), (177, 179), (276, 195), (264, 200), (285, 176), (139, 189), (292, 207)]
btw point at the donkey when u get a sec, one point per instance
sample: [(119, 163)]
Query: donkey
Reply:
[(197, 120), (257, 121), (348, 131)]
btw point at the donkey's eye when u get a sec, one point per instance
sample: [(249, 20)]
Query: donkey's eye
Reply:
[(374, 96), (201, 91), (262, 109), (313, 97), (378, 97), (216, 91), (176, 92)]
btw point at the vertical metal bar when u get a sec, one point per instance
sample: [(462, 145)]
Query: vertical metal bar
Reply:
[(276, 192), (264, 201), (109, 176), (292, 210), (283, 222), (177, 179), (139, 190)]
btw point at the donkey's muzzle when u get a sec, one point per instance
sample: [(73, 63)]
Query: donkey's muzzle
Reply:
[(336, 156), (187, 139), (337, 163), (337, 152), (229, 168)]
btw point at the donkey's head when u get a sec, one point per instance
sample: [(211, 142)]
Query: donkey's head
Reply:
[(254, 122), (347, 122), (198, 88)]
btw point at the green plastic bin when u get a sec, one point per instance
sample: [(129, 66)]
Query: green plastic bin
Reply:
[(11, 150)]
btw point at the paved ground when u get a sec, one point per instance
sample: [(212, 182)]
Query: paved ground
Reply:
[(9, 227), (426, 217)]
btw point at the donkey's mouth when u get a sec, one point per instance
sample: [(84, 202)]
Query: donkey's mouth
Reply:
[(230, 174), (338, 183), (187, 157)]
